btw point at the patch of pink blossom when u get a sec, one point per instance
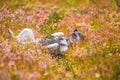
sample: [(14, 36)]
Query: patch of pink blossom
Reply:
[(34, 16), (27, 56), (81, 53), (34, 75), (43, 65)]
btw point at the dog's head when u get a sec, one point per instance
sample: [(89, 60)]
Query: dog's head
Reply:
[(76, 36)]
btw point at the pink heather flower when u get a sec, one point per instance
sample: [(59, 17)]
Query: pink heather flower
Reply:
[(27, 57), (12, 64), (76, 53), (4, 75), (43, 65), (84, 52), (68, 74), (63, 71), (34, 75)]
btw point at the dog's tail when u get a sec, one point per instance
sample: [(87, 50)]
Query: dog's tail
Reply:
[(11, 33)]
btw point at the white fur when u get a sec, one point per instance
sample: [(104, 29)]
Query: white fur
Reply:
[(58, 35), (63, 48), (25, 36), (53, 45), (63, 41)]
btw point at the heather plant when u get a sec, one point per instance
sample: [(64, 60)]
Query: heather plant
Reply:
[(97, 57)]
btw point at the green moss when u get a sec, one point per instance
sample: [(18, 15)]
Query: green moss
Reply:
[(96, 25)]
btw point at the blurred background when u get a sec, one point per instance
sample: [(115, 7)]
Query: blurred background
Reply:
[(62, 3)]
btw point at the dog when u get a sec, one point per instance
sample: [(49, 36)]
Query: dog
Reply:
[(59, 45), (55, 45)]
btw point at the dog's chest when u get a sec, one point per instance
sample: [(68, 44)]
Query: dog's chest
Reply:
[(63, 46)]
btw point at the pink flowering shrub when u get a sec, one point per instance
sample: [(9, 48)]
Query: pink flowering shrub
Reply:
[(97, 57)]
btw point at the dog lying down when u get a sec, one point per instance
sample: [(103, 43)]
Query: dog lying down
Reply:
[(59, 44), (56, 46)]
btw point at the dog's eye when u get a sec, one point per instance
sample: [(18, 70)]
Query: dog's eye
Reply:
[(74, 34)]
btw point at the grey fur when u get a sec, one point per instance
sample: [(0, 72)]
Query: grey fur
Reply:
[(63, 43)]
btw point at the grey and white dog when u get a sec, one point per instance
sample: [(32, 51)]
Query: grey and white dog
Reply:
[(59, 45), (56, 46)]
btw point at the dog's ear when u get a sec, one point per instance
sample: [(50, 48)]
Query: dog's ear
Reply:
[(75, 30)]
